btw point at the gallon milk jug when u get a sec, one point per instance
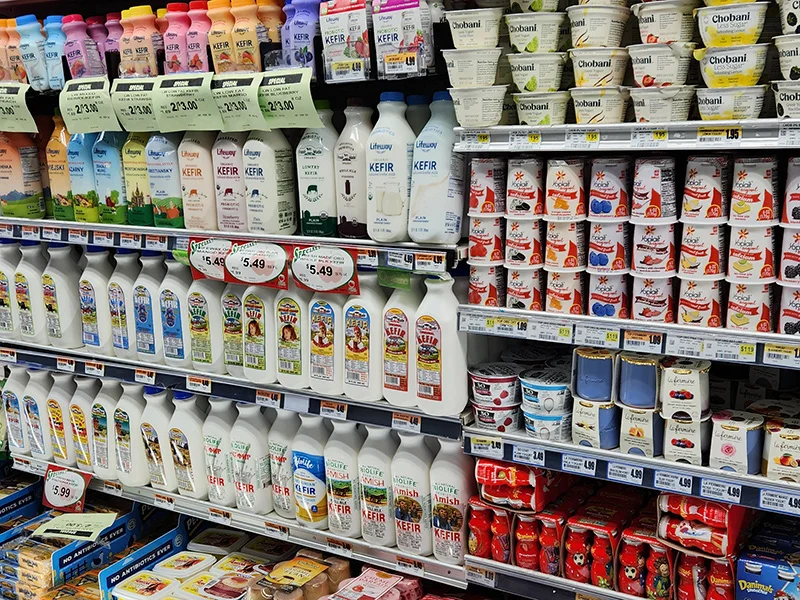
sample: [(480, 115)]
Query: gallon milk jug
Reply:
[(163, 173), (316, 174), (437, 179), (217, 449), (351, 178), (232, 329), (95, 308), (109, 177), (326, 332), (186, 445), (260, 363), (31, 48), (81, 177), (9, 310), (29, 293), (418, 111), (58, 398), (204, 300), (375, 475), (363, 340), (104, 454), (250, 460), (341, 473), (399, 345), (174, 313), (281, 437), (149, 334), (62, 297), (389, 153), (269, 183), (197, 181), (229, 181), (34, 404), (137, 181), (120, 302), (292, 347), (80, 416), (452, 485), (131, 459), (308, 462), (154, 429), (412, 494), (13, 393)]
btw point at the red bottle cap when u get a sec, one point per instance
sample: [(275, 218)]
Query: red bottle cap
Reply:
[(96, 20), (113, 17), (72, 19), (198, 5), (177, 7)]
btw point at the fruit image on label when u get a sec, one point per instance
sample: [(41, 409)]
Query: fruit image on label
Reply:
[(155, 461), (282, 479), (448, 521), (80, 436), (171, 325), (377, 501), (357, 338), (122, 440), (6, 322), (310, 491), (182, 458), (322, 330), (249, 475), (33, 420), (429, 358), (89, 332), (57, 435), (119, 317), (199, 331), (289, 337), (254, 340), (232, 329), (145, 333), (100, 439), (395, 350), (23, 296)]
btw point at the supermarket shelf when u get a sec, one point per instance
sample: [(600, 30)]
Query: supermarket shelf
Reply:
[(306, 401), (655, 473), (407, 256), (761, 134), (770, 349), (271, 525)]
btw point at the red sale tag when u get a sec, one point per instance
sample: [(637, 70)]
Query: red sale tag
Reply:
[(207, 257), (325, 269), (65, 489), (257, 263)]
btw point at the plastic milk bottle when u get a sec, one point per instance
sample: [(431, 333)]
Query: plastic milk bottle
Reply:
[(316, 174), (260, 364), (149, 332), (9, 310), (250, 459), (399, 346), (197, 183), (187, 447), (62, 297), (81, 177), (351, 178), (120, 301), (233, 330), (174, 313), (58, 417), (363, 339), (377, 496), (163, 172), (412, 494), (205, 317), (29, 293), (217, 448), (281, 437), (341, 474), (80, 416), (308, 461), (95, 309), (292, 347), (452, 485), (132, 462), (154, 429), (326, 337), (104, 454), (13, 393)]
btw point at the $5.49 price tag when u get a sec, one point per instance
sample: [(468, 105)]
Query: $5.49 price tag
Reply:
[(325, 269), (257, 262), (86, 106), (184, 102), (207, 257), (65, 489)]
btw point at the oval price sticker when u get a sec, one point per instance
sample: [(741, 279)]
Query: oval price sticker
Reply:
[(208, 257), (325, 269), (256, 262)]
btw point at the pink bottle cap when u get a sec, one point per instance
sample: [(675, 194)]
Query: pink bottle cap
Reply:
[(198, 5), (96, 20)]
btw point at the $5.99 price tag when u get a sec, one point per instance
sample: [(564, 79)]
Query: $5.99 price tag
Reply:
[(65, 489)]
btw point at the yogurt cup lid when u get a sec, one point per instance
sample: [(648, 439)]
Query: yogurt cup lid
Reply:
[(546, 379), (498, 369), (737, 419), (145, 585), (184, 565), (218, 541)]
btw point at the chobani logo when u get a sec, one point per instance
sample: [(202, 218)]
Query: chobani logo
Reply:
[(533, 106), (731, 18), (709, 100), (647, 19), (466, 25), (788, 96), (588, 103), (641, 60), (524, 68), (523, 28), (782, 53), (594, 64), (728, 59)]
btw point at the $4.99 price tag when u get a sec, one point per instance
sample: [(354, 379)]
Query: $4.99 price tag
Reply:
[(65, 489)]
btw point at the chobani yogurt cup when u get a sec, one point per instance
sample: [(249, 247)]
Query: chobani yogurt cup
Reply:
[(654, 190), (652, 299), (790, 256), (751, 253), (509, 114), (477, 28), (608, 295), (609, 247), (564, 293), (524, 242), (539, 72), (525, 287), (654, 249), (666, 21), (565, 198), (486, 240), (478, 106), (598, 67), (535, 32), (496, 384), (733, 66), (497, 418), (662, 104), (790, 214), (754, 196), (787, 97), (542, 108), (707, 189), (790, 16), (526, 6), (700, 302), (595, 26), (704, 251), (656, 65), (471, 68), (565, 246), (750, 306), (487, 285), (789, 314), (731, 25), (487, 186), (525, 188), (599, 105), (608, 189), (734, 103)]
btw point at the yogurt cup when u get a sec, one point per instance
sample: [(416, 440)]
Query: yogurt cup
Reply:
[(732, 66), (662, 104), (524, 242), (503, 68), (545, 391), (790, 16), (687, 441), (608, 189), (707, 189), (604, 2), (534, 6), (594, 25), (564, 293), (471, 68), (542, 108), (495, 384), (654, 190), (666, 21), (539, 72), (557, 428), (789, 314), (609, 248), (497, 418), (478, 106), (524, 288), (736, 103), (595, 424), (525, 188), (754, 196), (535, 32), (750, 306), (654, 249), (790, 256), (787, 98), (487, 285), (474, 29), (656, 65), (751, 253), (731, 25), (608, 295), (599, 105), (565, 198), (704, 251), (598, 67), (652, 299), (565, 246), (509, 114), (791, 199), (487, 186), (486, 240), (700, 302)]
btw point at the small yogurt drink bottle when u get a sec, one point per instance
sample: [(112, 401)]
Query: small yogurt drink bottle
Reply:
[(104, 453), (31, 48), (137, 181), (260, 363), (173, 311), (250, 459), (197, 181), (389, 155), (233, 329), (114, 28), (271, 16), (62, 297), (308, 462), (217, 429), (54, 50), (80, 417), (375, 479), (58, 420), (30, 294), (34, 404), (452, 485), (187, 447), (219, 35), (127, 64), (15, 64), (281, 436), (247, 33), (399, 345), (269, 183), (149, 332), (121, 305), (163, 172), (326, 338), (204, 300), (341, 474), (197, 37), (316, 174), (9, 309), (154, 430), (351, 178), (363, 340), (229, 181), (418, 111), (81, 50), (81, 177), (175, 51), (129, 449), (95, 309), (95, 27), (13, 393), (161, 20), (291, 341), (412, 494), (147, 41)]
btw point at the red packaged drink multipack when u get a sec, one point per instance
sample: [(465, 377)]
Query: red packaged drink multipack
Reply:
[(495, 472), (708, 512), (522, 488), (644, 564), (692, 572), (479, 540), (691, 534)]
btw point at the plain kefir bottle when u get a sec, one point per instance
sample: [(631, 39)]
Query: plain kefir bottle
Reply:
[(104, 454), (9, 309), (412, 494), (250, 460), (58, 398), (29, 293), (233, 329), (95, 309), (260, 362), (326, 336), (61, 297), (281, 437), (13, 393), (154, 430), (163, 173), (34, 403), (197, 180), (341, 474), (149, 333), (292, 347), (351, 177), (80, 416), (269, 183), (173, 312), (121, 305), (363, 340), (187, 447), (226, 155), (316, 175), (308, 462), (375, 478), (217, 429), (204, 300), (399, 346), (131, 459)]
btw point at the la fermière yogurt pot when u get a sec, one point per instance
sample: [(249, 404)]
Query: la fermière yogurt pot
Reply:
[(731, 25), (734, 66)]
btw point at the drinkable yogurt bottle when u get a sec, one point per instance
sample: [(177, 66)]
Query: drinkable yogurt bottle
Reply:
[(229, 181), (247, 34), (81, 177), (61, 296), (31, 48), (54, 50), (21, 189), (147, 41), (175, 49), (269, 183), (219, 35), (96, 28), (9, 309), (14, 56), (29, 293), (163, 173), (197, 36), (81, 50)]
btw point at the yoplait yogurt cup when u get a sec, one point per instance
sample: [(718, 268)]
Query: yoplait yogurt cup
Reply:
[(654, 190), (662, 104), (487, 186), (704, 251), (751, 253), (599, 105), (565, 198), (608, 295), (524, 242), (750, 306), (789, 313), (565, 245), (706, 190), (656, 65), (790, 214), (525, 188), (700, 302), (754, 196), (790, 256), (652, 299), (597, 26), (487, 285), (496, 384), (654, 249), (598, 67), (609, 247), (734, 66), (486, 240), (535, 32), (525, 288), (608, 189), (735, 103), (666, 21), (731, 25), (564, 293)]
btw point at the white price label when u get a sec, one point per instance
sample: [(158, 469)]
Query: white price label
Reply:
[(280, 532), (508, 326), (28, 232), (65, 364), (689, 345), (64, 488), (156, 242), (486, 446), (267, 398), (643, 341), (6, 230), (198, 384), (406, 422), (237, 101), (219, 515), (475, 140), (333, 410), (720, 490), (112, 487), (410, 566), (781, 355), (130, 240), (480, 576), (8, 355), (430, 263), (96, 369), (324, 268), (348, 70), (780, 502), (475, 323), (144, 376), (78, 236), (529, 455), (397, 259), (184, 102), (164, 501), (733, 350), (555, 332), (713, 136), (52, 234), (789, 134), (256, 262), (367, 257), (649, 136), (581, 138), (103, 238), (632, 474), (23, 464), (596, 335), (133, 103), (673, 482), (524, 139), (339, 547), (86, 106), (582, 465), (208, 257), (285, 99), (14, 109)]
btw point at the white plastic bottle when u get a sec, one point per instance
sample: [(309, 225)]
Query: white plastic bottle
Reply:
[(80, 416), (229, 181), (149, 333), (233, 329), (95, 309), (281, 437), (452, 485), (187, 447), (249, 458), (173, 311), (399, 345), (308, 462), (163, 174), (363, 340), (121, 306), (418, 111), (351, 178), (437, 179), (269, 183), (341, 474), (58, 420), (29, 293), (326, 337), (260, 364), (154, 426), (375, 478), (131, 458), (205, 317), (315, 176), (217, 450), (411, 482), (197, 180), (13, 393), (9, 309), (292, 348), (34, 404), (441, 351), (389, 154), (104, 453)]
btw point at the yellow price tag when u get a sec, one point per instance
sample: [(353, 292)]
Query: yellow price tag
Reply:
[(612, 337), (660, 135), (483, 138), (747, 349), (534, 138), (593, 137), (490, 323), (565, 332)]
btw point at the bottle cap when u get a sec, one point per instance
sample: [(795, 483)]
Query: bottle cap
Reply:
[(238, 3), (29, 243), (161, 13), (91, 249), (73, 19), (113, 17), (53, 19), (444, 95), (26, 20), (151, 389), (150, 253), (392, 97), (177, 7), (7, 241), (126, 14), (182, 395), (218, 4), (95, 20), (141, 11), (321, 104), (198, 5), (125, 251), (52, 245), (417, 99)]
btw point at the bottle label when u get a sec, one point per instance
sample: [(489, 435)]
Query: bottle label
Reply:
[(255, 356), (182, 459), (218, 467), (282, 478), (357, 338), (197, 47), (100, 436), (412, 513), (57, 432), (395, 350), (16, 436), (80, 436), (199, 331), (89, 329), (145, 332), (232, 329), (429, 358), (448, 522), (175, 57), (171, 325), (122, 441), (155, 461), (6, 320), (23, 295), (376, 502), (310, 492), (289, 337), (51, 306), (34, 422), (344, 503), (119, 317), (322, 335), (251, 474)]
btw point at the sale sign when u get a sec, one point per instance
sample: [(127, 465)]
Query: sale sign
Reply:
[(258, 263), (207, 257), (65, 489), (325, 269)]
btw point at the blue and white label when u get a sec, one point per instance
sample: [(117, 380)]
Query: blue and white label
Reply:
[(145, 334), (16, 434), (171, 324), (310, 491), (119, 317), (34, 421), (90, 334)]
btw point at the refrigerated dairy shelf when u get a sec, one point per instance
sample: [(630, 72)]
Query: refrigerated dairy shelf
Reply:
[(302, 401)]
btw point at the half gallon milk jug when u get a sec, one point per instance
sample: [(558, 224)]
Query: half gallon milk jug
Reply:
[(389, 153), (197, 180), (315, 175), (269, 183), (308, 461), (351, 179), (399, 345), (109, 177), (173, 311), (291, 340), (13, 393), (58, 399), (120, 302), (29, 293), (441, 356), (186, 445), (137, 180), (9, 310), (229, 181), (217, 448), (95, 309), (437, 179), (35, 413), (250, 461), (58, 170), (452, 485), (204, 300), (163, 173), (260, 363), (104, 454), (280, 461), (363, 340), (80, 416), (375, 475), (62, 297), (149, 333), (412, 494), (154, 426), (341, 473), (129, 446), (81, 177), (326, 336), (232, 329)]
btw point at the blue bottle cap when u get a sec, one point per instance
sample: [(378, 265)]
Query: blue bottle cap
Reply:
[(8, 241), (444, 95), (151, 389), (53, 20), (417, 99), (91, 248), (29, 243), (146, 253), (26, 20), (392, 97), (182, 395), (57, 245), (124, 251)]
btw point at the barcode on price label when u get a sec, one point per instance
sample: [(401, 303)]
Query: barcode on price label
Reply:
[(632, 474), (578, 464), (51, 233), (720, 490), (529, 455), (733, 350), (8, 355), (779, 501), (486, 446), (273, 530), (78, 236), (198, 384), (643, 341), (96, 369), (219, 515), (719, 135), (112, 487), (164, 501), (481, 576), (347, 70), (592, 335), (339, 547), (267, 398), (410, 566), (65, 364), (103, 238), (400, 63), (406, 422), (145, 377), (673, 482), (781, 355), (333, 410), (555, 332)]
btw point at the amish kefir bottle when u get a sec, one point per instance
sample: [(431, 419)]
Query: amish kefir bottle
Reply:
[(412, 494), (375, 478), (341, 474), (58, 418), (260, 362), (131, 459), (452, 485)]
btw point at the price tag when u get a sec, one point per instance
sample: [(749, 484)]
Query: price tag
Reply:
[(14, 110), (596, 335), (397, 259), (367, 257), (581, 465), (130, 240), (632, 474), (23, 464), (7, 230), (184, 102), (529, 455), (28, 232), (475, 139), (555, 332), (508, 326), (647, 136), (270, 399), (112, 487), (410, 566), (164, 501), (780, 502), (780, 355), (103, 238), (78, 236), (673, 482), (720, 490), (96, 369), (486, 446), (733, 350), (8, 355), (86, 106), (406, 422), (219, 515), (582, 138), (333, 410), (524, 139), (133, 103), (348, 70), (65, 489), (144, 376), (156, 242), (257, 262), (198, 384), (339, 547), (689, 345), (401, 63), (285, 99), (52, 234), (279, 532), (325, 269), (643, 341), (65, 364), (430, 263), (480, 576), (237, 101), (474, 323), (713, 136), (789, 134), (208, 257)]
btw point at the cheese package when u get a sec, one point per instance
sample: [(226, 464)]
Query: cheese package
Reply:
[(145, 585), (184, 565), (218, 541)]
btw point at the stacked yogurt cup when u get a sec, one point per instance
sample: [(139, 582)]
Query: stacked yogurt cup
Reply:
[(789, 275), (787, 91)]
